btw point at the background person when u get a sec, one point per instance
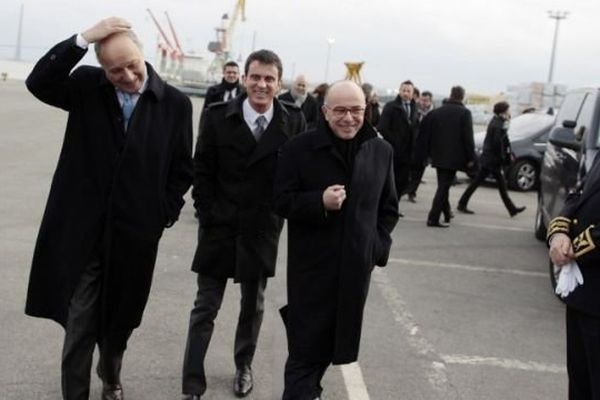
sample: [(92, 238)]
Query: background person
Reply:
[(496, 154), (299, 96)]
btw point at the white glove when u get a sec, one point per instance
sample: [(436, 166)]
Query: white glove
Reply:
[(570, 277)]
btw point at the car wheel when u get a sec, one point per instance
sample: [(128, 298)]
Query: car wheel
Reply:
[(523, 176), (539, 227)]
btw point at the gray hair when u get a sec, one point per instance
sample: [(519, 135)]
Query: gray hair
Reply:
[(129, 33)]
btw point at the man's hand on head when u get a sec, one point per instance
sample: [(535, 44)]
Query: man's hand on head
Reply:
[(105, 28)]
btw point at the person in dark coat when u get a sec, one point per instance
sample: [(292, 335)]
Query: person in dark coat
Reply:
[(496, 154), (398, 123), (228, 89), (234, 167), (446, 136), (299, 96), (319, 93), (372, 112), (335, 187), (124, 167), (574, 235)]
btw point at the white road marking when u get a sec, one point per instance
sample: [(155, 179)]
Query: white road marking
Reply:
[(470, 225), (503, 363), (465, 267), (355, 384)]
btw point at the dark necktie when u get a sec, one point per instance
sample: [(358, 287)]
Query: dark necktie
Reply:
[(261, 125), (407, 109), (127, 108)]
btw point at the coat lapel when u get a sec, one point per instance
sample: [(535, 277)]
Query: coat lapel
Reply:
[(274, 137)]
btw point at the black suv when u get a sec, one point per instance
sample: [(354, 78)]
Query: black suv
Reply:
[(572, 144)]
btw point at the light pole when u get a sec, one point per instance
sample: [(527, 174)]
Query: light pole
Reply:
[(330, 42), (557, 16)]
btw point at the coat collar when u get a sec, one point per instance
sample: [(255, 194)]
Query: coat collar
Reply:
[(321, 134), (234, 109)]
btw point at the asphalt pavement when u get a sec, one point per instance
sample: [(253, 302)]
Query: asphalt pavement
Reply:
[(460, 313)]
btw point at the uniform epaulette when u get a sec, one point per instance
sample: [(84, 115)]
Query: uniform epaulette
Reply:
[(584, 242), (558, 225)]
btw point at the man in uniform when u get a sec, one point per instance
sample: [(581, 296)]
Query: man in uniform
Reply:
[(575, 236)]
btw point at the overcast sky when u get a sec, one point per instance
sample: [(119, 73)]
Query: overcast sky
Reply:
[(482, 45)]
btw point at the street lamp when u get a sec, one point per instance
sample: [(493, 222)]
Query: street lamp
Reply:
[(330, 42), (557, 16)]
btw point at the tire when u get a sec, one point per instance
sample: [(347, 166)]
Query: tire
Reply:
[(523, 176), (539, 228)]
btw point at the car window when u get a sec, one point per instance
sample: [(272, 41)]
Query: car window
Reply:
[(570, 107), (527, 125)]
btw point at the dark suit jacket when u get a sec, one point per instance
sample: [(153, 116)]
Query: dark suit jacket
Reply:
[(446, 135), (112, 187), (310, 108), (233, 188), (496, 146), (399, 129)]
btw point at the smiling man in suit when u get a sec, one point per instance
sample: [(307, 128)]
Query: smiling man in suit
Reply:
[(124, 167), (238, 236)]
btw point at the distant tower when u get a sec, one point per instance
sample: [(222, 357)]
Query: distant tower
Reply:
[(353, 71)]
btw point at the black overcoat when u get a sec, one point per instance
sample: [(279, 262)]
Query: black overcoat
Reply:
[(111, 188), (496, 145), (399, 128), (331, 254), (239, 232), (310, 108), (446, 136)]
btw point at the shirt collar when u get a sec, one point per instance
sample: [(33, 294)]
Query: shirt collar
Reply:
[(250, 114)]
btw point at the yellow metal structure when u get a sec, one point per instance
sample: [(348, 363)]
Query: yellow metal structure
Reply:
[(353, 71)]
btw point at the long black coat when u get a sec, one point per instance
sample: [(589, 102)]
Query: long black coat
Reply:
[(399, 129), (111, 188), (310, 108), (331, 254), (496, 145), (233, 191), (446, 136), (580, 219)]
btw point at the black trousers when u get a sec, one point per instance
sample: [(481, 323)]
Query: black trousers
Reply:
[(401, 177), (83, 333), (481, 175), (445, 179), (415, 177), (206, 307), (303, 380), (583, 355)]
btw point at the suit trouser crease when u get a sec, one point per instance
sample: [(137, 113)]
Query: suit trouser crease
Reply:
[(445, 179), (209, 298), (479, 178), (82, 333), (303, 380)]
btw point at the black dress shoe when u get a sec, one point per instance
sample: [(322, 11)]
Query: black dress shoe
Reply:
[(401, 215), (448, 217), (242, 383), (465, 210), (190, 397), (437, 224), (517, 210), (412, 198), (112, 392)]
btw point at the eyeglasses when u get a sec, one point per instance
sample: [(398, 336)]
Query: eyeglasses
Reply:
[(340, 112)]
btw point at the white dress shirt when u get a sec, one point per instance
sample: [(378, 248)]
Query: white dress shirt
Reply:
[(250, 115)]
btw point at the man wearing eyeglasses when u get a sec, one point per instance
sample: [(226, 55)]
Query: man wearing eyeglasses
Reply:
[(335, 186), (234, 166)]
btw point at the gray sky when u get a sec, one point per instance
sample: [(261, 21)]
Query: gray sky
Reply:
[(482, 45)]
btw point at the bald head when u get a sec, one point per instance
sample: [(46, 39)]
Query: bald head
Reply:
[(121, 57), (344, 109), (300, 85)]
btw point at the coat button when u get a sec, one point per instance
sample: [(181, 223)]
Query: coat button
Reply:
[(53, 57)]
